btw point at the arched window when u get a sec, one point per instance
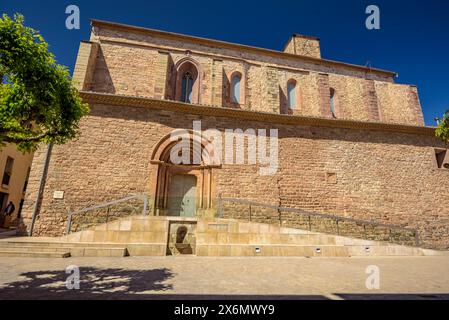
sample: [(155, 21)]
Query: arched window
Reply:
[(291, 90), (187, 88), (235, 88), (332, 102), (186, 81)]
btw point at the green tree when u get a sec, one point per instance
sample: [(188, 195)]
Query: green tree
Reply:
[(442, 131), (38, 102)]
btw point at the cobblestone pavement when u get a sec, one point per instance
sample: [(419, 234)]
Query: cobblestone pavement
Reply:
[(190, 277)]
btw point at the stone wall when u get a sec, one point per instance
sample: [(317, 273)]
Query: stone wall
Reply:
[(137, 63), (370, 175), (304, 46)]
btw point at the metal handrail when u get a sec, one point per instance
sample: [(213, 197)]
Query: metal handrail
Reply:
[(314, 214), (144, 197)]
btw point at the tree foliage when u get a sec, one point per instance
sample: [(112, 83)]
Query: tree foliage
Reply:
[(38, 102), (442, 131)]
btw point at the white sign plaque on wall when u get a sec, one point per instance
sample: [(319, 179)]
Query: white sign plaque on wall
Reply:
[(58, 195)]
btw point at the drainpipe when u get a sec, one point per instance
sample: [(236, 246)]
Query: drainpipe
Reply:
[(40, 192)]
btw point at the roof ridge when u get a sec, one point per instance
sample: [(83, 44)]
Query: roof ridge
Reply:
[(220, 43)]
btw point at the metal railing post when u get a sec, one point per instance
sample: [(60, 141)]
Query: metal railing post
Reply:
[(338, 228), (417, 238), (145, 205), (69, 224), (280, 218), (250, 213), (107, 214), (219, 204)]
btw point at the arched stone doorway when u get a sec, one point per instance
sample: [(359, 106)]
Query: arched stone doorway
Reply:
[(184, 189)]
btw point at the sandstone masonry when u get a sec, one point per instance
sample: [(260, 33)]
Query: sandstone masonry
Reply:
[(375, 161)]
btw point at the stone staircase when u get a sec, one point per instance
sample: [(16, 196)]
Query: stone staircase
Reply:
[(224, 237), (54, 248), (161, 236)]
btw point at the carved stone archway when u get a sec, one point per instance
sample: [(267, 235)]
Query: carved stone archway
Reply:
[(203, 169), (191, 66)]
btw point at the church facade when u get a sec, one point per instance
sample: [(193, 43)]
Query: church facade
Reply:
[(350, 141)]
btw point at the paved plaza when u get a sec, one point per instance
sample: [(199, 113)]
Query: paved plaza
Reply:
[(189, 277)]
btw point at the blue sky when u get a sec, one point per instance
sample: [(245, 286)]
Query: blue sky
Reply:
[(413, 40)]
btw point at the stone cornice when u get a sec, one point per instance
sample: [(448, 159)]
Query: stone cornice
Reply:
[(224, 44), (131, 101)]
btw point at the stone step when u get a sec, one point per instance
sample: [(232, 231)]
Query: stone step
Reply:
[(59, 244), (241, 250), (32, 254), (254, 238), (34, 249), (383, 250), (74, 249), (98, 252), (285, 250)]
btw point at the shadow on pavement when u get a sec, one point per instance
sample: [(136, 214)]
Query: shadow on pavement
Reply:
[(95, 283), (126, 284), (114, 284)]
